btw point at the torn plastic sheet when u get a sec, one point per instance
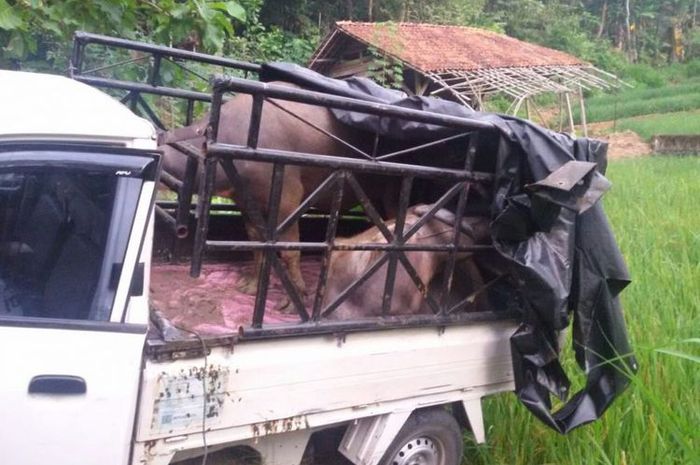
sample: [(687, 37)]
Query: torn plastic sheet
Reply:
[(547, 222)]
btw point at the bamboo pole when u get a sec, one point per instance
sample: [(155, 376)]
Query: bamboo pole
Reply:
[(542, 119), (567, 97), (527, 108), (561, 112), (583, 111)]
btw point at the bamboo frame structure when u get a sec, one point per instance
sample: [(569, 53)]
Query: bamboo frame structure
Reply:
[(478, 80)]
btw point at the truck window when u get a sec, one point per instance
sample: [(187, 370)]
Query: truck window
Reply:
[(63, 236)]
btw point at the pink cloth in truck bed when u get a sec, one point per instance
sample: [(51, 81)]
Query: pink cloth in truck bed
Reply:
[(211, 305)]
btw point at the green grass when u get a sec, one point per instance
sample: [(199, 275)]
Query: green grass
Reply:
[(684, 122), (654, 207), (634, 102)]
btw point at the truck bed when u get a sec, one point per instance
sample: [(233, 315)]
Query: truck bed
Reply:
[(211, 305)]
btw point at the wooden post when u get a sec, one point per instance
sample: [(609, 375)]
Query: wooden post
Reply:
[(421, 84), (572, 131), (516, 108), (539, 114), (561, 112), (527, 108), (583, 111)]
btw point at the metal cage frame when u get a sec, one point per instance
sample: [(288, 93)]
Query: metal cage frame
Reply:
[(217, 155), (343, 173)]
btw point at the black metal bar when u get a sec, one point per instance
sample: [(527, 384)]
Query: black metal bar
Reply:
[(334, 162), (89, 38), (270, 237), (187, 149), (277, 182), (330, 240), (263, 276), (422, 146), (370, 211), (76, 59), (404, 198), (331, 307), (442, 201), (254, 217), (255, 120), (144, 88), (307, 203), (185, 68), (206, 190), (171, 181), (321, 130), (166, 217), (373, 324), (150, 113), (420, 285), (448, 275), (375, 145), (157, 347), (189, 112), (322, 246), (217, 100), (215, 207), (184, 199), (232, 84), (115, 65), (133, 102), (154, 78), (126, 98), (289, 286)]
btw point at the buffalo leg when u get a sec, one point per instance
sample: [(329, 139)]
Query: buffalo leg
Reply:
[(248, 282), (292, 196), (292, 259)]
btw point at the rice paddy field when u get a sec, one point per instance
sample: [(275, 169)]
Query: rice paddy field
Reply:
[(682, 122), (654, 207), (683, 96)]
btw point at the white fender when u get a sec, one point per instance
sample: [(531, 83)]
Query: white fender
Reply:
[(367, 439), (476, 418)]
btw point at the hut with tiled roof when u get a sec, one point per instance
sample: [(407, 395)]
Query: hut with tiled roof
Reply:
[(465, 64)]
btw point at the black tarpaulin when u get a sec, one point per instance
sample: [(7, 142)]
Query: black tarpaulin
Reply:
[(547, 221)]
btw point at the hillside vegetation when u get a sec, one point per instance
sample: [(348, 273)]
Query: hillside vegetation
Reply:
[(36, 35)]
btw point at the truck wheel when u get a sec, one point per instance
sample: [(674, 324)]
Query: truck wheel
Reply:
[(429, 437)]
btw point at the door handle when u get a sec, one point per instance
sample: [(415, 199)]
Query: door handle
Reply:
[(57, 384)]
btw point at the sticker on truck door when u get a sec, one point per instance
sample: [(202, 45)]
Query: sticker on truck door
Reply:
[(179, 400)]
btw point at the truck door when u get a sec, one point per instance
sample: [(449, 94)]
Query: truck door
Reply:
[(72, 222)]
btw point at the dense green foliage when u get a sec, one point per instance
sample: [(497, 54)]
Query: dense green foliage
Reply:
[(684, 122), (653, 209), (35, 34)]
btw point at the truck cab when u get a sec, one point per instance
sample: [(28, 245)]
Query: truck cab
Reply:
[(77, 180)]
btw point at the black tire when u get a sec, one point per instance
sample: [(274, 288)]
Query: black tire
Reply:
[(429, 437)]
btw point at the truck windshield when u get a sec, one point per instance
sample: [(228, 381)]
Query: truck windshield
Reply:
[(63, 236)]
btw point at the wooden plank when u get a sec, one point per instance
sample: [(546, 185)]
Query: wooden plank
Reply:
[(358, 66)]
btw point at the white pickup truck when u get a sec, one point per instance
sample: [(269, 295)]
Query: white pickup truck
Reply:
[(87, 377)]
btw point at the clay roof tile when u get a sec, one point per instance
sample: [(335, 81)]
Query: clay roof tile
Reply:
[(430, 47)]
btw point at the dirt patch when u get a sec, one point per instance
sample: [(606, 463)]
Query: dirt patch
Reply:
[(626, 144), (623, 144)]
